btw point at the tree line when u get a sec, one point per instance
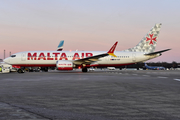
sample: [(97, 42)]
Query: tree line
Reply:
[(163, 64)]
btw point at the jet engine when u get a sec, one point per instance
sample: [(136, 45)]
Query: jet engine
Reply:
[(64, 65)]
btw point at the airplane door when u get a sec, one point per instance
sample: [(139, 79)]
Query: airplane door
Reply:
[(23, 57), (134, 57)]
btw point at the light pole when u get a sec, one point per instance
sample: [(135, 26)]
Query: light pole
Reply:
[(4, 54)]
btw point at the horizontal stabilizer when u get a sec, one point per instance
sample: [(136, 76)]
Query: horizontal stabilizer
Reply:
[(153, 53)]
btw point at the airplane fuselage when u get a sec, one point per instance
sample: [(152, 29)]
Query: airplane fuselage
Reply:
[(50, 58)]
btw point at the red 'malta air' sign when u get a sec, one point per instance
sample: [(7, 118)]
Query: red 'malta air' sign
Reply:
[(55, 56)]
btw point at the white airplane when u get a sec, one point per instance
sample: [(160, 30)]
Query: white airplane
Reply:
[(65, 60)]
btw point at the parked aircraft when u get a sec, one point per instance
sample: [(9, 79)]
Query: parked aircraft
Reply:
[(60, 46), (154, 67), (66, 60)]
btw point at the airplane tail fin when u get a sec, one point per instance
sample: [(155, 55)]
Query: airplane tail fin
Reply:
[(60, 46), (148, 43)]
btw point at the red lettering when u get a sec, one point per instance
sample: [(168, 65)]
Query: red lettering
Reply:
[(48, 57), (42, 56), (56, 55), (76, 56), (89, 54), (63, 56), (82, 55), (32, 56)]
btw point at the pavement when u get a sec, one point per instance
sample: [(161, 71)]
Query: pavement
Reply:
[(96, 95)]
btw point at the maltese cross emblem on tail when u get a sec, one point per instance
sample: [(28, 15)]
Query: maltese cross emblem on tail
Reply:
[(151, 39)]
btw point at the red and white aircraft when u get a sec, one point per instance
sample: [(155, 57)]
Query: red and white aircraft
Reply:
[(59, 48), (65, 60)]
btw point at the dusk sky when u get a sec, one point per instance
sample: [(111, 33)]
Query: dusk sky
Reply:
[(89, 25)]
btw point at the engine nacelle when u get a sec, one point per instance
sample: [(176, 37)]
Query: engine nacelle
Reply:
[(64, 65)]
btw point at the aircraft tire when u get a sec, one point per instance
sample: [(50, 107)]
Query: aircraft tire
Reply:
[(27, 69), (46, 69), (84, 69), (20, 71), (30, 70)]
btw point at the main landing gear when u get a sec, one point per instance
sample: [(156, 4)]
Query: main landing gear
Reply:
[(44, 69), (84, 69), (20, 71)]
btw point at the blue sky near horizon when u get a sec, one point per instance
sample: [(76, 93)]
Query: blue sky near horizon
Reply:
[(88, 25)]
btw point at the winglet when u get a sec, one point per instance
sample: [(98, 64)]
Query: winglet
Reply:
[(111, 51)]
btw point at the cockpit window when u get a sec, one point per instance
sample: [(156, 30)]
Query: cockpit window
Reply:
[(13, 55)]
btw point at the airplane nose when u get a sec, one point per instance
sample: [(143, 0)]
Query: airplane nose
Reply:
[(7, 60)]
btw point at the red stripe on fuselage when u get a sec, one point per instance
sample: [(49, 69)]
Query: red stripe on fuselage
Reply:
[(54, 65), (36, 65)]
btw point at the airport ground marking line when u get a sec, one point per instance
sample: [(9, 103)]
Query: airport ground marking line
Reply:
[(146, 75), (162, 77), (177, 79)]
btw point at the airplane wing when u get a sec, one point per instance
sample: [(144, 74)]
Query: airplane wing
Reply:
[(94, 58), (153, 53)]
